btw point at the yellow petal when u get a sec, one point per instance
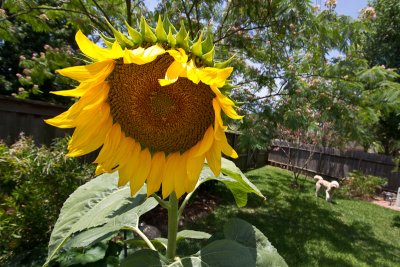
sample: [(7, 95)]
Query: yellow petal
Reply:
[(100, 97), (178, 55), (141, 172), (124, 150), (223, 143), (83, 88), (92, 50), (91, 72), (85, 131), (215, 76), (213, 157), (110, 144), (180, 175), (153, 52), (174, 71), (193, 72), (155, 177), (99, 170), (230, 112), (126, 172), (194, 167), (93, 141), (204, 145), (67, 118), (172, 163), (217, 112), (226, 104), (142, 56), (116, 50)]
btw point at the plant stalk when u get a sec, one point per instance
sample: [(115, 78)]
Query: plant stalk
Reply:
[(172, 226)]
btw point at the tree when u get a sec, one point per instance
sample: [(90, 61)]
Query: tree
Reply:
[(381, 46)]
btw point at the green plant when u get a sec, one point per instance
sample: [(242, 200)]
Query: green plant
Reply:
[(34, 183), (361, 185)]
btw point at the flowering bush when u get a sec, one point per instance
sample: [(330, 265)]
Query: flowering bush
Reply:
[(34, 183)]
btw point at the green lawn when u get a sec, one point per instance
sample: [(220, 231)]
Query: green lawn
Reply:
[(307, 231)]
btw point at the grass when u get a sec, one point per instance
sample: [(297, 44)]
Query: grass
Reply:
[(308, 231)]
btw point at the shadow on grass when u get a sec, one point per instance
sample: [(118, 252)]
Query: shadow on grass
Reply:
[(307, 231), (396, 221)]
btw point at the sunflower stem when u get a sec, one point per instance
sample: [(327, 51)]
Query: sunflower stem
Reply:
[(172, 226)]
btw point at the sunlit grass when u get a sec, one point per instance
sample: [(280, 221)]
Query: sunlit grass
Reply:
[(308, 231)]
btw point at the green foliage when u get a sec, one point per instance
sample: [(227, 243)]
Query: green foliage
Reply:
[(34, 183), (348, 232), (240, 238), (95, 212), (234, 179), (93, 217), (361, 185), (382, 41), (38, 76)]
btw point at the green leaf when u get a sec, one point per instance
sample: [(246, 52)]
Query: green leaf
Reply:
[(147, 32), (171, 38), (249, 236), (227, 253), (234, 179), (209, 56), (134, 34), (105, 232), (224, 64), (121, 38), (182, 37), (197, 48), (144, 257), (160, 31), (107, 40), (81, 257), (193, 234), (207, 44), (168, 25), (95, 204)]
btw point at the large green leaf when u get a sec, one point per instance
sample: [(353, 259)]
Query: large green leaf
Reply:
[(144, 257), (234, 179), (98, 203), (227, 253), (248, 235)]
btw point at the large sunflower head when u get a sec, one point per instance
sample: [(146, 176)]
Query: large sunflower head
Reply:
[(152, 102)]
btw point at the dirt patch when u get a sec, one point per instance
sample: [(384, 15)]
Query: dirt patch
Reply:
[(201, 205)]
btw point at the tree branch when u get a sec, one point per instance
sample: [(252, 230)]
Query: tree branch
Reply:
[(128, 11)]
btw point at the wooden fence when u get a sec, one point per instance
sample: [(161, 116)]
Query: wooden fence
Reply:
[(334, 163), (27, 116)]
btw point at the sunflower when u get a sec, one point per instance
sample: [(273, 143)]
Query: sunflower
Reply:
[(152, 101)]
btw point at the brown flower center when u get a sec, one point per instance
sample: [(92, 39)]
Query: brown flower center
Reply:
[(163, 118)]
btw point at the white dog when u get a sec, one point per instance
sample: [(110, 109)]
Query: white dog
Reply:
[(330, 187)]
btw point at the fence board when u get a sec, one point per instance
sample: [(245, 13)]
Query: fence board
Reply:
[(27, 116), (337, 164)]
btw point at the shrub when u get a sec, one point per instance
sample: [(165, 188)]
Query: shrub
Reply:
[(364, 186), (34, 183)]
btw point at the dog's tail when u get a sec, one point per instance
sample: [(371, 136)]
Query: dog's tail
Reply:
[(317, 177)]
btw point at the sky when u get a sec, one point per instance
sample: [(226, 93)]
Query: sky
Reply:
[(348, 7), (343, 7)]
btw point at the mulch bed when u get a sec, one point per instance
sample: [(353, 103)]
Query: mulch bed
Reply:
[(200, 206)]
